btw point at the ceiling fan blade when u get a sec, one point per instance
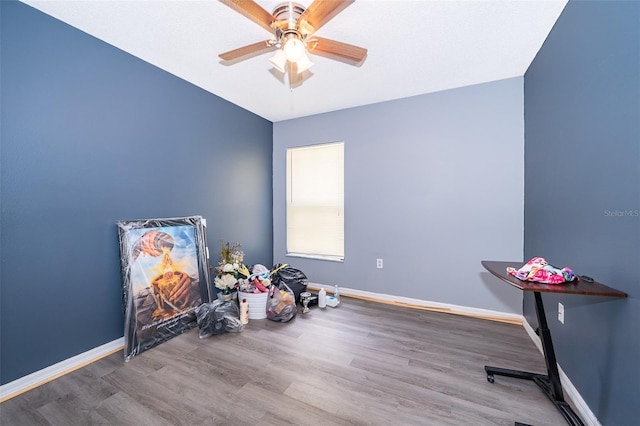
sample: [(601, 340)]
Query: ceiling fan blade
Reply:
[(247, 51), (253, 11), (295, 78), (320, 12), (351, 53)]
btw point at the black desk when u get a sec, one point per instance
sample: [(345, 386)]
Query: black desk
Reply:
[(550, 382)]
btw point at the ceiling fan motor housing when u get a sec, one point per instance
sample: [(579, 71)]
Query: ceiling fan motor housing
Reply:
[(288, 12), (286, 25)]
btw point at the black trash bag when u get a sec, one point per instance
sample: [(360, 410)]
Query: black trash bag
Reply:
[(218, 317), (294, 278), (281, 303)]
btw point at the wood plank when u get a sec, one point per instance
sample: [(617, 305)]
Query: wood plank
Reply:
[(360, 363)]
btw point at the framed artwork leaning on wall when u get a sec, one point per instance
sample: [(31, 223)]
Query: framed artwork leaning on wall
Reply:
[(165, 277)]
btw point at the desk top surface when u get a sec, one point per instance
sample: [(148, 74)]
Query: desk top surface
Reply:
[(499, 269)]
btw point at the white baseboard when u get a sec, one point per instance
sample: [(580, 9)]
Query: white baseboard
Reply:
[(33, 380), (571, 392), (423, 304)]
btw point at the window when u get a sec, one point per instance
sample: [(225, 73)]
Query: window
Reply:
[(315, 201)]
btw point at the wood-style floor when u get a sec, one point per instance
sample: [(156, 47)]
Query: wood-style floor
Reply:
[(363, 363)]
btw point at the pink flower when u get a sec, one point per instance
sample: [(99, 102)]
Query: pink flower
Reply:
[(556, 279), (540, 275), (537, 261)]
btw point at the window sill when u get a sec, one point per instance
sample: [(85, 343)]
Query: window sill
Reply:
[(316, 257)]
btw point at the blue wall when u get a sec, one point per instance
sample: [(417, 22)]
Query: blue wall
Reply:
[(582, 195), (433, 184), (92, 135)]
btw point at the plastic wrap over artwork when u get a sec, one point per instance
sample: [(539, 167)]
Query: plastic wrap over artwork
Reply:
[(165, 277)]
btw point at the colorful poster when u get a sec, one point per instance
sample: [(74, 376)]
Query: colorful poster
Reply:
[(165, 277)]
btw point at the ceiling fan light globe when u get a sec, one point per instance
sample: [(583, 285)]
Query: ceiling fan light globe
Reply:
[(279, 60), (304, 63), (293, 49)]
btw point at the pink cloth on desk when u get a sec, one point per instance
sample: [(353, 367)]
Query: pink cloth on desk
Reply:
[(538, 270)]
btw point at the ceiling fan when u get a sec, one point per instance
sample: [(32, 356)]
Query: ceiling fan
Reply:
[(293, 28)]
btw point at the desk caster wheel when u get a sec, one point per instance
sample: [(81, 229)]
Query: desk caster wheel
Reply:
[(490, 378)]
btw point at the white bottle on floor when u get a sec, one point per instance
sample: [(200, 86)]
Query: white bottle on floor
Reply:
[(322, 298)]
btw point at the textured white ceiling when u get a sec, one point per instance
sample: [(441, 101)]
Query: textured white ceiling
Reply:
[(415, 47)]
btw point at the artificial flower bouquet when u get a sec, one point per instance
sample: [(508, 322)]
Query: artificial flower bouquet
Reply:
[(230, 268), (232, 274)]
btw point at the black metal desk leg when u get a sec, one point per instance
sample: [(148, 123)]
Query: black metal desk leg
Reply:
[(547, 349), (549, 383)]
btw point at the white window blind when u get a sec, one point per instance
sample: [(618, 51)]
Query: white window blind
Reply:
[(315, 200)]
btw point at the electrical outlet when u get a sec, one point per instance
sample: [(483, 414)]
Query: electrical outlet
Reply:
[(379, 263), (561, 312)]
